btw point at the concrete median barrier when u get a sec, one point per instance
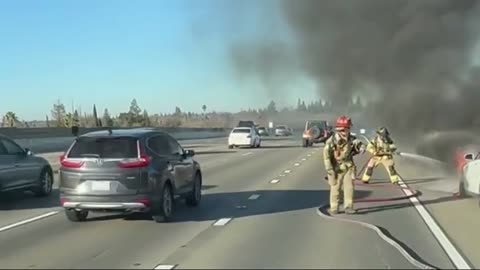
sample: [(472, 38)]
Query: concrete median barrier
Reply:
[(47, 140)]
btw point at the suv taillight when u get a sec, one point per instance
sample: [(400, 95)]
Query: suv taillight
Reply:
[(72, 164), (140, 162)]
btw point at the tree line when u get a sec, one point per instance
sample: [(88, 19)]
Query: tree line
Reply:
[(136, 117)]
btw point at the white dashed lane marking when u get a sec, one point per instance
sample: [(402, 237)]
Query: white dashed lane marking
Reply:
[(274, 181), (254, 196), (287, 171), (304, 159), (11, 226), (165, 266), (247, 154), (296, 164), (222, 222), (447, 245)]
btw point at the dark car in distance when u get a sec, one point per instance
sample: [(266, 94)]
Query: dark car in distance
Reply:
[(21, 170), (316, 131), (128, 170)]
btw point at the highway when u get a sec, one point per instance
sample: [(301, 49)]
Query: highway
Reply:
[(259, 210)]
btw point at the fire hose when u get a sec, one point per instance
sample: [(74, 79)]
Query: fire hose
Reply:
[(409, 257)]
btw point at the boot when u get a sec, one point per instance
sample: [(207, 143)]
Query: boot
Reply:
[(333, 211), (350, 211)]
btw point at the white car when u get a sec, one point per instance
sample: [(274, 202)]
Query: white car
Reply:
[(244, 136), (468, 164)]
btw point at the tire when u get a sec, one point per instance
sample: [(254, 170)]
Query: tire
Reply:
[(258, 145), (195, 196), (45, 186), (164, 211), (305, 143), (461, 190), (76, 216)]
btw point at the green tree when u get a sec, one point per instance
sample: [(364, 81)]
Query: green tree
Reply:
[(10, 119), (178, 111), (272, 107), (67, 120), (107, 119), (134, 113), (146, 119), (58, 114), (75, 119), (95, 116)]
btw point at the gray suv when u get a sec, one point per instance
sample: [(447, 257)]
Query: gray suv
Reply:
[(127, 170), (20, 169)]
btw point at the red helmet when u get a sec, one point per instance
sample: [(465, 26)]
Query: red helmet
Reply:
[(343, 122)]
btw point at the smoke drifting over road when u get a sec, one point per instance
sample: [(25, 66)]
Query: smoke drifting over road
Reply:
[(412, 57), (269, 61)]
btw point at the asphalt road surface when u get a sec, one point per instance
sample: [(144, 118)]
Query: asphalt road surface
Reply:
[(258, 211)]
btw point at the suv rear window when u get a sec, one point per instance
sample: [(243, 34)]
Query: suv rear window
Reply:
[(319, 124), (112, 147), (241, 130), (246, 124)]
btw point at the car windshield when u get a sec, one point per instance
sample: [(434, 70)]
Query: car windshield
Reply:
[(115, 147), (241, 130)]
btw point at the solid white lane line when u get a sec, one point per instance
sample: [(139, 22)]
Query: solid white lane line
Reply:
[(165, 266), (274, 181), (222, 222), (247, 154), (448, 247), (254, 196), (11, 226)]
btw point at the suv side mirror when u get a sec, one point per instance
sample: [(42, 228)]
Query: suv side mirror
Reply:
[(469, 156), (28, 152), (189, 153)]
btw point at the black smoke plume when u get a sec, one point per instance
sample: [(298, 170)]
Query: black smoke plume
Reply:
[(410, 59)]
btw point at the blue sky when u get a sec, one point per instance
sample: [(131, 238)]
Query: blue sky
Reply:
[(165, 53)]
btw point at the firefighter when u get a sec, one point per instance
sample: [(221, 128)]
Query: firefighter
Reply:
[(338, 159), (382, 149)]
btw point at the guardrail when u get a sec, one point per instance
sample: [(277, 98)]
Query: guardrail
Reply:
[(44, 140)]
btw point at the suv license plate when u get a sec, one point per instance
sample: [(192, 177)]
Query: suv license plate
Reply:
[(101, 185)]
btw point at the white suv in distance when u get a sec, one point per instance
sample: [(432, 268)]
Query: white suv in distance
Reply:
[(244, 136)]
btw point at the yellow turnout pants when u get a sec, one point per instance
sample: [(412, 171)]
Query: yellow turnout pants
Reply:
[(387, 162), (343, 180)]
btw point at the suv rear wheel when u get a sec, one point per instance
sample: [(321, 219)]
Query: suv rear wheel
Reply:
[(164, 211), (305, 143)]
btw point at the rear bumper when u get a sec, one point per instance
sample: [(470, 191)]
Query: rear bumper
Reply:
[(240, 142), (105, 206), (316, 140), (119, 203)]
